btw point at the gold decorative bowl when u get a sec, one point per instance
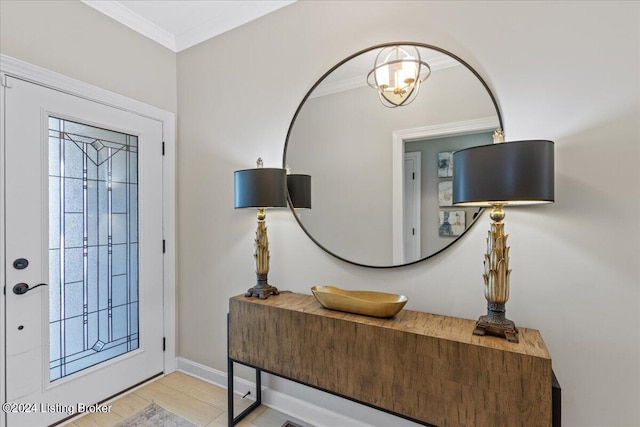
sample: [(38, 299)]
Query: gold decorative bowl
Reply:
[(369, 303)]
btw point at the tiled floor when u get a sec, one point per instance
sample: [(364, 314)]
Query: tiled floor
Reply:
[(198, 401)]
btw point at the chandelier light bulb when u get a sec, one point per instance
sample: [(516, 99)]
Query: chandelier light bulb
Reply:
[(396, 75)]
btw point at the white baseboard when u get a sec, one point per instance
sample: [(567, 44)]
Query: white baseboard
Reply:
[(295, 407), (213, 376)]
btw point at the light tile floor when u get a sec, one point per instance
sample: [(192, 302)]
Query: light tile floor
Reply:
[(200, 402)]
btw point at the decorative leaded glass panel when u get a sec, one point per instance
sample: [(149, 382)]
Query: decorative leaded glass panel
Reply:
[(93, 245)]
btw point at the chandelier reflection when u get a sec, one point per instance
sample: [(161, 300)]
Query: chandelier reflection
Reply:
[(397, 74)]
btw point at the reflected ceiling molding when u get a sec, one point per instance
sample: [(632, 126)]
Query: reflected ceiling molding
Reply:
[(330, 88)]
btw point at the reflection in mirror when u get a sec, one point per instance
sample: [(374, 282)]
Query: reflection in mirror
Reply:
[(367, 207), (428, 195)]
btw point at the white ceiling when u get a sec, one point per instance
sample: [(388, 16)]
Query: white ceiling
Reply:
[(180, 24)]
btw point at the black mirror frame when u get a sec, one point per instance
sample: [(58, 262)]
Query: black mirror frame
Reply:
[(320, 80)]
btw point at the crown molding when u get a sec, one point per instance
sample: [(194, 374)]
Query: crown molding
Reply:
[(126, 16), (225, 22), (178, 42)]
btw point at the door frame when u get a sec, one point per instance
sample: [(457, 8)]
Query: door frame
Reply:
[(31, 73)]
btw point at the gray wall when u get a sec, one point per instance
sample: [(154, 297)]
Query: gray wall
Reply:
[(565, 71)]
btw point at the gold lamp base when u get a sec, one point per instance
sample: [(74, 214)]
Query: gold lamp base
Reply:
[(262, 289), (496, 281)]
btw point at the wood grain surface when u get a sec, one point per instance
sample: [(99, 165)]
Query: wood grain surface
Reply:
[(428, 367)]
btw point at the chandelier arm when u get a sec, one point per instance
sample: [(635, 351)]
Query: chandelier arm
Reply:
[(412, 95)]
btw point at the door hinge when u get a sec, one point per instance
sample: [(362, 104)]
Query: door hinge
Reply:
[(4, 82), (413, 176), (163, 148), (164, 246), (164, 344)]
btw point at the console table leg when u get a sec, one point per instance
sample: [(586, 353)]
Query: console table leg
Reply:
[(258, 387), (231, 420)]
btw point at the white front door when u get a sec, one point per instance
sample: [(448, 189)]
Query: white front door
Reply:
[(83, 215)]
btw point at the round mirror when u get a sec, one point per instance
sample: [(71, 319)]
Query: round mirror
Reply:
[(376, 138)]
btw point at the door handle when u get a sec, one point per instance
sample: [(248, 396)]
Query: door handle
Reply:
[(23, 288)]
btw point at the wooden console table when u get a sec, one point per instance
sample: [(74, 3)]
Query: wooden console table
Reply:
[(424, 367)]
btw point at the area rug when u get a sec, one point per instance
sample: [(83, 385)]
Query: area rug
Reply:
[(154, 415)]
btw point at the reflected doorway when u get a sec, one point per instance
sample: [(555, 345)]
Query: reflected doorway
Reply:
[(434, 145)]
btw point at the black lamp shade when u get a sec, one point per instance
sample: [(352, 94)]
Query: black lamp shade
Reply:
[(518, 172), (299, 187), (260, 188)]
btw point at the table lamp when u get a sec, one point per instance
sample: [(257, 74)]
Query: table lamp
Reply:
[(495, 175), (261, 188)]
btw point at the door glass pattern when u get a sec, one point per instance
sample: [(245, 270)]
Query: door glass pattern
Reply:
[(93, 245)]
